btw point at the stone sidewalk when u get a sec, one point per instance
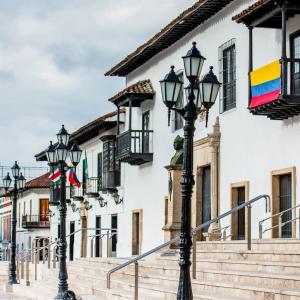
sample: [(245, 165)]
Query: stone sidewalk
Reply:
[(10, 296)]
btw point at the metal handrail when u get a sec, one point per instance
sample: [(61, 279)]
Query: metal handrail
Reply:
[(224, 235), (196, 229), (35, 251), (56, 241), (279, 214)]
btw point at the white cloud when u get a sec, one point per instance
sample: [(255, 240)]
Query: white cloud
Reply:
[(53, 55)]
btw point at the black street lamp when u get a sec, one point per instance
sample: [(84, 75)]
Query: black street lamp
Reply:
[(200, 94), (19, 184), (58, 156)]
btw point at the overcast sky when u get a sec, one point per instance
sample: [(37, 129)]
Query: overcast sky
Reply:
[(53, 54)]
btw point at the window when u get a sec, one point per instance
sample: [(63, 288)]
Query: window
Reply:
[(111, 167), (177, 119), (227, 61), (145, 129), (295, 53), (99, 170)]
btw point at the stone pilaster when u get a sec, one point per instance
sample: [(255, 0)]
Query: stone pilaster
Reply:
[(173, 203), (214, 231)]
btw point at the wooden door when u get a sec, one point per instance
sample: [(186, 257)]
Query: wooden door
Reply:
[(206, 196), (97, 239), (285, 202), (44, 209), (241, 214)]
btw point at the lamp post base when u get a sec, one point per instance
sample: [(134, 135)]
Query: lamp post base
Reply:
[(12, 280), (59, 296), (68, 295)]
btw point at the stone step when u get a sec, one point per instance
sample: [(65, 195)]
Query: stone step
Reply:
[(153, 292), (256, 245), (152, 274), (211, 264), (258, 256)]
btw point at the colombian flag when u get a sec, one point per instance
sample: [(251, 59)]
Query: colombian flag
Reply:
[(73, 178), (265, 84)]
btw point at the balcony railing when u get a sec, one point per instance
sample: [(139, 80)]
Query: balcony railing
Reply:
[(135, 147), (55, 194), (36, 221), (281, 97), (93, 186)]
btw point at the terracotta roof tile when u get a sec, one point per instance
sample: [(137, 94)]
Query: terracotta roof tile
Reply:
[(188, 20), (140, 87), (258, 4), (42, 181), (88, 131)]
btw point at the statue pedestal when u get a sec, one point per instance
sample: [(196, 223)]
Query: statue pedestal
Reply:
[(214, 232), (173, 204)]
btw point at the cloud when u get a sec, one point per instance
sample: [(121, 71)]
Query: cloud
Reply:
[(53, 55)]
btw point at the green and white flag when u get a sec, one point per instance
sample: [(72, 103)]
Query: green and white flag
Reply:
[(85, 173)]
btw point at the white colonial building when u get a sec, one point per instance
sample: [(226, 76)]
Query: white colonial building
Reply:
[(244, 152), (33, 221), (247, 153), (93, 208)]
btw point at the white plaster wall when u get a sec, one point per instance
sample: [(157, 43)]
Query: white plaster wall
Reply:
[(25, 235), (251, 146), (91, 148)]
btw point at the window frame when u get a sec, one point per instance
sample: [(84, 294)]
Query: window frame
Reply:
[(231, 83), (293, 37), (110, 166), (176, 117)]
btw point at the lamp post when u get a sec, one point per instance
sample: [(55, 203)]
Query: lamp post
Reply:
[(58, 156), (201, 94), (19, 184)]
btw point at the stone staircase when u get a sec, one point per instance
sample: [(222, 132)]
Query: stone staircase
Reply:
[(225, 270)]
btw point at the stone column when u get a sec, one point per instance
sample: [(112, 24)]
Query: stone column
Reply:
[(214, 230), (173, 204)]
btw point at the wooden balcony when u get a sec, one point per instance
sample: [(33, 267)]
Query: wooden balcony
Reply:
[(286, 103), (35, 221), (135, 147), (93, 187)]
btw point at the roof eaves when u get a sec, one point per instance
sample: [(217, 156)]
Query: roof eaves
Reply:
[(249, 10), (120, 68)]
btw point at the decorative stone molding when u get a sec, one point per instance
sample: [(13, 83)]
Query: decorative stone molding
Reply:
[(206, 153), (173, 204)]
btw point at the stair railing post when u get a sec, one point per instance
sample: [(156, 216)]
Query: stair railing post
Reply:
[(18, 269), (280, 226), (136, 280), (32, 253), (36, 253), (92, 248), (27, 271), (249, 238), (49, 254), (22, 268), (108, 244), (44, 251), (54, 257), (260, 230), (100, 246), (194, 257)]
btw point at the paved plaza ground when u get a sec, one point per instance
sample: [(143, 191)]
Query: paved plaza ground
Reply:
[(9, 296)]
